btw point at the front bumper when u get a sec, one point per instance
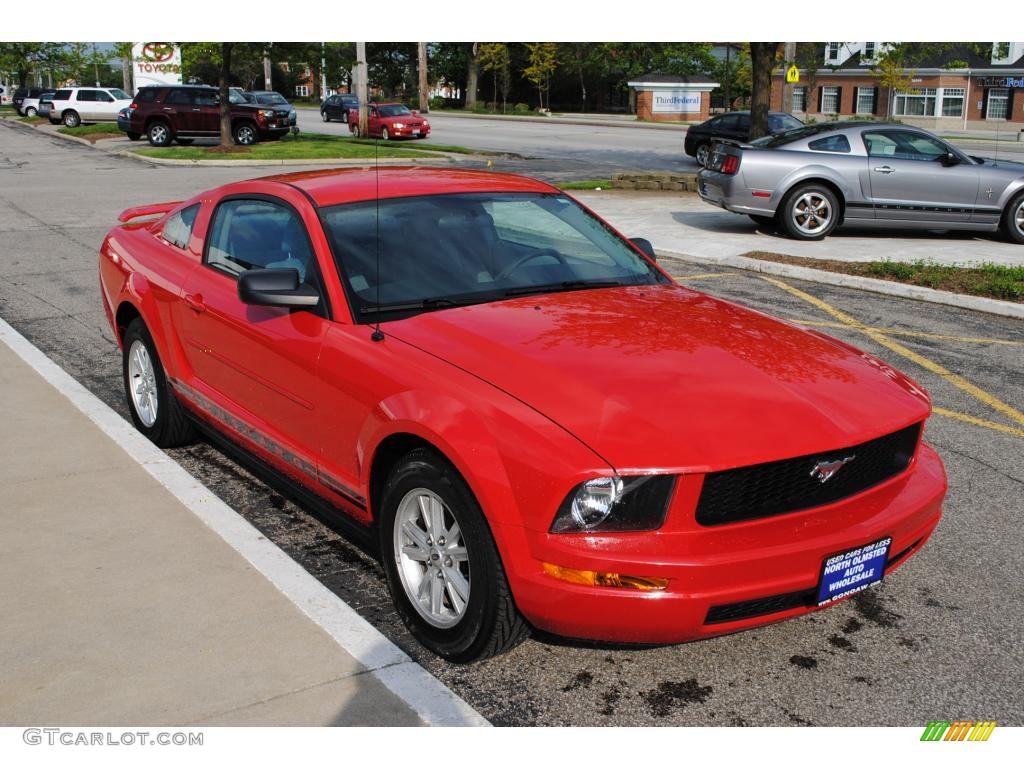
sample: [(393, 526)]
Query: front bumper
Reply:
[(722, 579), (410, 133), (729, 192)]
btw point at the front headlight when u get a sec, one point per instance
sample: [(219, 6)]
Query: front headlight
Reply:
[(637, 503), (267, 112), (399, 125)]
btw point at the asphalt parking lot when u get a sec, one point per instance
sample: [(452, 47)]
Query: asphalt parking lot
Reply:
[(940, 639)]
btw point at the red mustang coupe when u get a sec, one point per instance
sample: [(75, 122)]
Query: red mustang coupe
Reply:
[(533, 423)]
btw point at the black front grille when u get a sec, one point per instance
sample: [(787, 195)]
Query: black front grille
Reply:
[(778, 487)]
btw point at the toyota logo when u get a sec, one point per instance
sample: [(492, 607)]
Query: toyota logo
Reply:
[(158, 52)]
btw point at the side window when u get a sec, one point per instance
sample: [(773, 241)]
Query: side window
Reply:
[(180, 98), (879, 145), (62, 95), (904, 145), (838, 143), (86, 95), (103, 96), (921, 147), (178, 229), (207, 98), (258, 234)]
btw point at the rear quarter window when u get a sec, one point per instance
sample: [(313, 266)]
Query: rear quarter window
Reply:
[(838, 143), (62, 95), (178, 229)]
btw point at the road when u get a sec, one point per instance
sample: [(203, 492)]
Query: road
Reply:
[(941, 638)]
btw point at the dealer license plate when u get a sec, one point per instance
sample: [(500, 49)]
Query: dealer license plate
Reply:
[(415, 133), (848, 572)]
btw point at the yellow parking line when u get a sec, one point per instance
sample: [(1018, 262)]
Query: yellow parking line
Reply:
[(978, 422), (913, 334), (956, 380), (705, 277)]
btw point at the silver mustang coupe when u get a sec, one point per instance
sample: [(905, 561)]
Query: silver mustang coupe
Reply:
[(812, 179)]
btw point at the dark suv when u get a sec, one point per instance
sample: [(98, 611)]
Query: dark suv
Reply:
[(183, 113)]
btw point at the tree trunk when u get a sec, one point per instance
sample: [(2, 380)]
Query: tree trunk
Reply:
[(362, 91), (762, 60), (225, 94), (472, 75), (583, 91), (424, 89)]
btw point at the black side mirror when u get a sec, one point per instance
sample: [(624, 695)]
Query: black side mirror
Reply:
[(644, 245), (949, 159), (276, 288)]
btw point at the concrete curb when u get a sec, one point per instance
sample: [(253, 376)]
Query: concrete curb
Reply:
[(567, 121), (366, 162), (886, 287)]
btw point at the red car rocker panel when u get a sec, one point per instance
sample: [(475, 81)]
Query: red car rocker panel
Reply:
[(532, 423)]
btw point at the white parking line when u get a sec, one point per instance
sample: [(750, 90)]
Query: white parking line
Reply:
[(426, 695)]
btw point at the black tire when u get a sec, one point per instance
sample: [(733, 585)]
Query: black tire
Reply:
[(762, 221), (1013, 220), (354, 130), (245, 134), (134, 136), (325, 117), (701, 153), (169, 425), (71, 119), (184, 142), (489, 624), (30, 112), (809, 212), (159, 133)]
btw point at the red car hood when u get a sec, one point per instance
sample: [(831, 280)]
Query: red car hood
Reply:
[(662, 377)]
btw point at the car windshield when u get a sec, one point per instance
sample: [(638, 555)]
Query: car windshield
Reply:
[(272, 98), (787, 137), (779, 123), (394, 110), (439, 251), (237, 97), (117, 93)]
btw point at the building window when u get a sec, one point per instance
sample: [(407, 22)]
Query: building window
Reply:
[(865, 101), (800, 99), (869, 51), (829, 100), (833, 51), (1002, 50), (302, 90), (953, 102), (998, 101), (918, 102)]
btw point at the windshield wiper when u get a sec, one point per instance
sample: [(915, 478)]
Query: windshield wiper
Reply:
[(565, 285), (439, 302)]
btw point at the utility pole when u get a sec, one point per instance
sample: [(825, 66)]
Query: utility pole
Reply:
[(362, 89), (789, 57), (323, 71), (268, 83), (424, 91), (728, 78), (96, 65)]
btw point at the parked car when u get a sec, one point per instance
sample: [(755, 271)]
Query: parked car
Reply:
[(30, 104), (733, 125), (45, 106), (124, 121), (20, 94), (810, 180), (391, 121), (276, 101), (337, 107), (74, 106), (529, 420), (183, 113)]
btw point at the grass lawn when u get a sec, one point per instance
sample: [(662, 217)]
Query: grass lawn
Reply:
[(587, 184), (993, 281), (34, 120), (431, 147), (305, 146), (93, 132)]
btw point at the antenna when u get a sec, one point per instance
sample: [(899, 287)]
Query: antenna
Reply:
[(378, 334)]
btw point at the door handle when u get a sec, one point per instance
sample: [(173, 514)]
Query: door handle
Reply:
[(195, 302), (197, 109), (168, 109), (885, 169)]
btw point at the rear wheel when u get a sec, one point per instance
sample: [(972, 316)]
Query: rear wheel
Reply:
[(324, 117), (71, 119), (159, 134), (443, 568), (30, 112), (154, 408), (354, 130), (1013, 220), (702, 154), (810, 212)]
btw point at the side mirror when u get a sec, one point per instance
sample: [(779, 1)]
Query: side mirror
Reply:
[(950, 159), (276, 288), (644, 245)]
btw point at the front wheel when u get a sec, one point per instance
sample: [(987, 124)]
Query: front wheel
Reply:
[(810, 212), (72, 119), (354, 130), (245, 134), (154, 409), (1013, 220), (702, 154), (443, 568), (30, 112), (384, 134)]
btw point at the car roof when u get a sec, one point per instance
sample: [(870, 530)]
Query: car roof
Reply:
[(335, 186)]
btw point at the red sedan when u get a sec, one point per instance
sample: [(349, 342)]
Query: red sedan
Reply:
[(390, 121), (535, 425)]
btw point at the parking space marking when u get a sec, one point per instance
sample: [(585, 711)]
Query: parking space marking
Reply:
[(912, 334), (707, 276), (977, 422), (930, 365)]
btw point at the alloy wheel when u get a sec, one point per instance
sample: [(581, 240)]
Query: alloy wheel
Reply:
[(142, 383), (812, 213)]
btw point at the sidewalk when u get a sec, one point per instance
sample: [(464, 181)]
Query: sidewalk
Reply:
[(120, 606)]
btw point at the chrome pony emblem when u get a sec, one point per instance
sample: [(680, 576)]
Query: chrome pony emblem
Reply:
[(824, 470)]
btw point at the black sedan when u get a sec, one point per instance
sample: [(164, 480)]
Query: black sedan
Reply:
[(337, 106), (732, 125)]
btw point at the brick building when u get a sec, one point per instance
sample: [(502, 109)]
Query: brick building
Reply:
[(673, 97), (957, 90)]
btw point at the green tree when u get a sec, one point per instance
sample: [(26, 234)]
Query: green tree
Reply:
[(495, 58), (762, 59), (26, 59), (542, 61)]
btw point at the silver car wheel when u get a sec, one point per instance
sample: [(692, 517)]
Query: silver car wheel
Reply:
[(245, 135), (432, 560), (811, 213), (703, 152), (1018, 217), (158, 134), (142, 383)]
